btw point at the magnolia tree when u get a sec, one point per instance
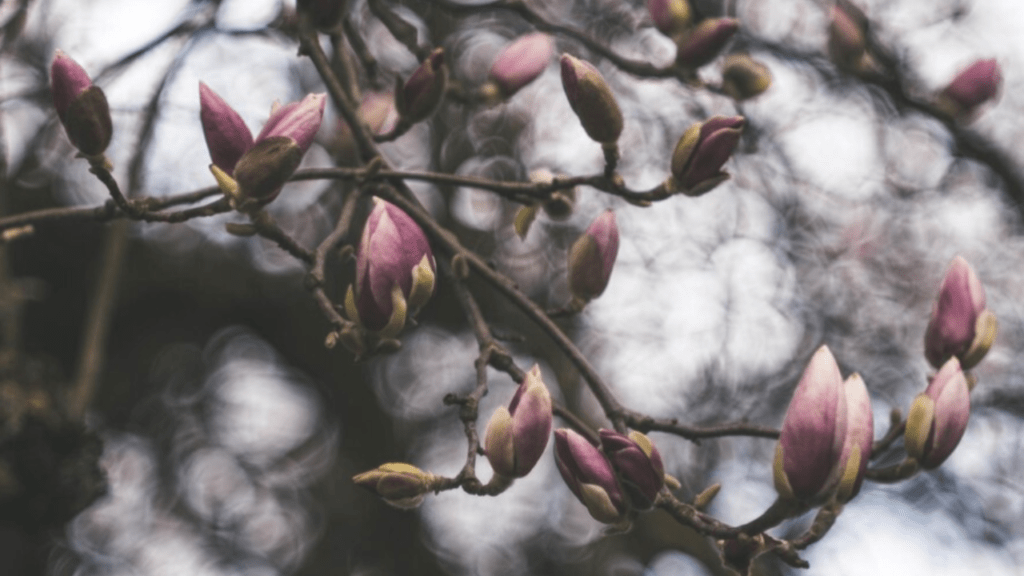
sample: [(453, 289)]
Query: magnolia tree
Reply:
[(646, 234)]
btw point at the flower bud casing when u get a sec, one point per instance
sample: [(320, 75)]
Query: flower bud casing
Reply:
[(702, 151), (423, 92), (521, 63), (516, 437), (638, 464), (860, 431), (813, 433), (81, 106), (671, 17), (591, 99), (395, 271), (227, 136), (952, 328), (977, 84), (399, 484), (743, 77), (938, 417), (702, 44), (589, 476), (592, 258)]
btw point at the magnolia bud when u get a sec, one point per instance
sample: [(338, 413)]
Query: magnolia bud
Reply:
[(971, 88), (423, 92), (592, 258), (638, 463), (516, 437), (671, 17), (702, 44), (813, 433), (252, 171), (938, 417), (960, 325), (860, 432), (743, 77), (701, 152), (400, 485), (395, 271), (521, 62), (589, 476), (591, 99), (81, 106), (846, 41)]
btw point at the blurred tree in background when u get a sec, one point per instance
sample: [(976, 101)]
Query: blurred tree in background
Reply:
[(669, 222)]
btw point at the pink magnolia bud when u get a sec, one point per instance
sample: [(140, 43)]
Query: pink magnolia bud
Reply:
[(638, 463), (592, 258), (705, 41), (938, 417), (960, 325), (378, 111), (394, 271), (590, 476), (811, 443), (252, 172), (860, 432), (399, 484), (702, 151), (591, 99), (227, 136), (423, 92), (976, 85), (81, 106), (846, 40), (516, 437), (521, 63), (671, 17)]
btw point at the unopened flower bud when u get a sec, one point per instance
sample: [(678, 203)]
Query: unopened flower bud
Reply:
[(423, 92), (701, 152), (592, 258), (521, 62), (860, 431), (960, 325), (743, 77), (810, 446), (591, 99), (638, 464), (560, 204), (847, 46), (399, 484), (702, 44), (81, 106), (516, 436), (973, 87), (938, 417), (395, 271), (252, 171), (671, 17), (589, 476)]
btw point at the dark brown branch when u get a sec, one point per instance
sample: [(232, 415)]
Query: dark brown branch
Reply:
[(695, 433)]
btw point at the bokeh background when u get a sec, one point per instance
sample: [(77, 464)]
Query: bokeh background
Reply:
[(228, 434)]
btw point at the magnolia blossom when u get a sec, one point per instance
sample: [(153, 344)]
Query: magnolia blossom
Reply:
[(810, 446), (938, 417), (702, 151), (960, 324), (81, 106), (252, 171), (591, 99), (394, 271), (974, 86), (521, 62), (671, 17), (589, 476), (516, 436), (638, 463), (592, 258), (702, 44), (860, 433)]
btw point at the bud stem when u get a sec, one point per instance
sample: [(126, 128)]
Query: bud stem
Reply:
[(611, 158)]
